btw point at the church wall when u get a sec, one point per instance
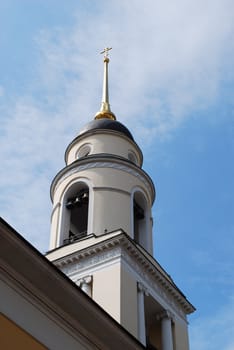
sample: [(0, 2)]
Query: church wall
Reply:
[(106, 289), (181, 335), (114, 207), (129, 302), (14, 337)]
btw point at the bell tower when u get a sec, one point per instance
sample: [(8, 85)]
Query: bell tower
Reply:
[(101, 232)]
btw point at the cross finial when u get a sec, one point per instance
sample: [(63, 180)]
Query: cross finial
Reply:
[(106, 52)]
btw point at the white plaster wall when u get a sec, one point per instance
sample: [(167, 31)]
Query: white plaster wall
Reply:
[(181, 339), (105, 142), (111, 211), (129, 305), (106, 290)]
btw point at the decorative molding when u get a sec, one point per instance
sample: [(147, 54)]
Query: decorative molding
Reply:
[(85, 283), (94, 260), (142, 288), (165, 314), (120, 246), (102, 165), (94, 163), (84, 280)]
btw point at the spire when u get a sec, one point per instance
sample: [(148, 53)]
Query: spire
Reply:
[(105, 111)]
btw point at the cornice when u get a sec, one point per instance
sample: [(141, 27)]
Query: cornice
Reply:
[(146, 267), (103, 161)]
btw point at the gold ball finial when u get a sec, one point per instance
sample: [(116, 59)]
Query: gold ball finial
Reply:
[(105, 114)]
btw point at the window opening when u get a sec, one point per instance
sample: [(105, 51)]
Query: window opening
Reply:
[(78, 207), (139, 215), (84, 151)]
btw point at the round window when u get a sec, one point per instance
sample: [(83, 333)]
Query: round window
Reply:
[(132, 157), (83, 151)]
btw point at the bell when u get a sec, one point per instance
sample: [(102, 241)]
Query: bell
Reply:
[(69, 204)]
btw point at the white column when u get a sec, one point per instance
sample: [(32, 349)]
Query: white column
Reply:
[(166, 323), (141, 312)]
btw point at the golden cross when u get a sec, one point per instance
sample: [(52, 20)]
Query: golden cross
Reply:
[(105, 51)]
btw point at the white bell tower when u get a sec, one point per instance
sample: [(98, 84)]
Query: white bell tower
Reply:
[(101, 232)]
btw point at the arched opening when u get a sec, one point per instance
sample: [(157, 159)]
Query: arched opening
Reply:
[(141, 220), (75, 216)]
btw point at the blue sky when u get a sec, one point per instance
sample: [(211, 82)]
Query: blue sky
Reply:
[(171, 83)]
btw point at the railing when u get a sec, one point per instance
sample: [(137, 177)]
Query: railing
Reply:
[(74, 237)]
